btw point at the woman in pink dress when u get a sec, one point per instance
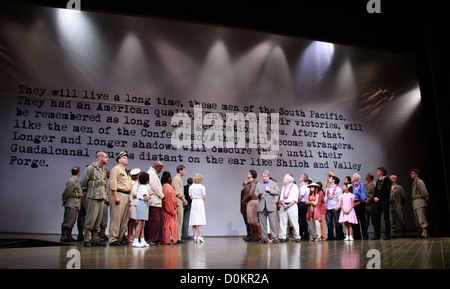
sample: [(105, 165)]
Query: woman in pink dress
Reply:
[(348, 216)]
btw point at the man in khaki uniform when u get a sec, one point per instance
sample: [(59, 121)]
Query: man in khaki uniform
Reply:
[(397, 203), (177, 184), (420, 198), (119, 202), (94, 180), (71, 198)]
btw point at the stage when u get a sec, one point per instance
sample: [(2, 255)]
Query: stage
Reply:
[(230, 253)]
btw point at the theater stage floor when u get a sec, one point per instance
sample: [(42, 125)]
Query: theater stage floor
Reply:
[(234, 253)]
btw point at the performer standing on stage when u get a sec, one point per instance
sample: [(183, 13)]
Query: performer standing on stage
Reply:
[(289, 210), (251, 199), (71, 199), (169, 206), (314, 216), (420, 200), (154, 227), (359, 191), (197, 217), (382, 196), (267, 191), (143, 195), (177, 184), (94, 180), (120, 185), (333, 205), (348, 215)]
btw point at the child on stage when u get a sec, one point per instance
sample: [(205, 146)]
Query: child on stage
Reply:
[(348, 215)]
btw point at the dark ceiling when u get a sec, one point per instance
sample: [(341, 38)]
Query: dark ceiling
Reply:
[(397, 27)]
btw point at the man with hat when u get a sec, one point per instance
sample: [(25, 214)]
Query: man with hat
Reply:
[(120, 185)]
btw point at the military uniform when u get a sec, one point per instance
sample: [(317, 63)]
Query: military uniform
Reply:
[(420, 197), (94, 180), (397, 202), (177, 184), (119, 181), (369, 203), (71, 199)]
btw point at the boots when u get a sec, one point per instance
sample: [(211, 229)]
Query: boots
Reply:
[(424, 233), (255, 232), (69, 235), (64, 233)]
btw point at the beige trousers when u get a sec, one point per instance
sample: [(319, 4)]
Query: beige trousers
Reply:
[(93, 219), (118, 217), (180, 215)]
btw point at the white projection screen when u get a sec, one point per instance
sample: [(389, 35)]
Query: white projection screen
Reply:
[(74, 83)]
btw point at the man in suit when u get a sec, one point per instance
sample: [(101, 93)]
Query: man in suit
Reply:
[(382, 196), (268, 194)]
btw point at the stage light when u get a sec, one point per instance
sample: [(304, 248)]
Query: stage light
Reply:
[(131, 65), (276, 78), (73, 24), (77, 32), (249, 66), (313, 65), (177, 65), (345, 92), (216, 79), (402, 107)]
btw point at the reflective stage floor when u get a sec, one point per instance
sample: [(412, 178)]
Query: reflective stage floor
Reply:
[(234, 253)]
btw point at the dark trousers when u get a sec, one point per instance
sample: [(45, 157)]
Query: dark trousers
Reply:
[(302, 211), (382, 207), (153, 230), (80, 222), (361, 227), (333, 221), (247, 226), (185, 229)]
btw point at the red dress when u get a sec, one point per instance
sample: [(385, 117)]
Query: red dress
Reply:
[(315, 211), (169, 206)]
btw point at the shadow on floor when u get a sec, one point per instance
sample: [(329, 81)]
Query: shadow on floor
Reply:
[(28, 243)]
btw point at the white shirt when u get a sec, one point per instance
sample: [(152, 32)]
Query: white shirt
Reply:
[(197, 191), (303, 191), (290, 193), (142, 190), (155, 187), (333, 203), (133, 195)]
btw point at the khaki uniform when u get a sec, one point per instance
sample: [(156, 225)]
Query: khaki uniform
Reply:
[(119, 181), (94, 180), (397, 202), (177, 184), (71, 199), (420, 196), (370, 188)]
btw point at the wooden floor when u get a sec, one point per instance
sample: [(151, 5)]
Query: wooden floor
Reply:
[(234, 253)]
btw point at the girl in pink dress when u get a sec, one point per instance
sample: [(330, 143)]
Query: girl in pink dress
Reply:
[(348, 216)]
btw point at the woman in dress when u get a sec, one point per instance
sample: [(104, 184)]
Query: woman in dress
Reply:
[(197, 218), (348, 215), (169, 206)]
